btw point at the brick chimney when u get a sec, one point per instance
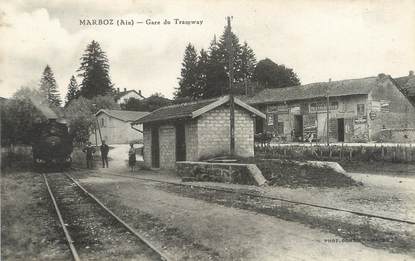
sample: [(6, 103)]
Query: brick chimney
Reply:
[(411, 73)]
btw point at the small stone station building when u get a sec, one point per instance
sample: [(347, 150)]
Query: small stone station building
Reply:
[(197, 130)]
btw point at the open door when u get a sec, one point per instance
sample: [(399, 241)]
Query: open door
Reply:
[(155, 148), (180, 142), (298, 127), (340, 129)]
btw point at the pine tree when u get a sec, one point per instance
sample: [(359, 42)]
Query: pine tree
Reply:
[(94, 71), (188, 80), (216, 77), (248, 61), (236, 56), (73, 90), (48, 87), (202, 71)]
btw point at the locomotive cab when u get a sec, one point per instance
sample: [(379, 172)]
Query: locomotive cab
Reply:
[(52, 145)]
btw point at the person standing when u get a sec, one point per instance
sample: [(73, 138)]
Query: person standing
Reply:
[(89, 150), (131, 157), (104, 154)]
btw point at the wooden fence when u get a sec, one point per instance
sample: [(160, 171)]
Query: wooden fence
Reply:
[(398, 153)]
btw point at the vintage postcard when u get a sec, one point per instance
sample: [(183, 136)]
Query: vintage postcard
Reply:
[(207, 130)]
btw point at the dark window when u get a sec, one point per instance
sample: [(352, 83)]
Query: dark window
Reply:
[(360, 109)]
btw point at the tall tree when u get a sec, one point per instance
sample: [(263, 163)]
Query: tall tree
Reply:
[(202, 72), (216, 77), (236, 56), (49, 88), (94, 71), (248, 62), (272, 75), (188, 76), (73, 90)]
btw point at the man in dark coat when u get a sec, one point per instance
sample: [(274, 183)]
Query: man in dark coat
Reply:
[(89, 150), (104, 154)]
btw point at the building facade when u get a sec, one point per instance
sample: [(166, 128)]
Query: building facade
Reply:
[(115, 127), (124, 96), (358, 110), (197, 131)]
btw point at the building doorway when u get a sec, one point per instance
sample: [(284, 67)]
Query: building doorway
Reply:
[(155, 148), (259, 125), (298, 127), (340, 129), (180, 142)]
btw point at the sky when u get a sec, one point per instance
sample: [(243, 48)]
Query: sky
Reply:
[(319, 39)]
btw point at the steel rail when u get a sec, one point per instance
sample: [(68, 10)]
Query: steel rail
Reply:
[(128, 227), (273, 198), (65, 231)]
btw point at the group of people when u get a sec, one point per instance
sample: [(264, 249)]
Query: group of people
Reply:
[(89, 150)]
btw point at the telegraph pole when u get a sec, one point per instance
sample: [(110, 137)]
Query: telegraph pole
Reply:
[(231, 99)]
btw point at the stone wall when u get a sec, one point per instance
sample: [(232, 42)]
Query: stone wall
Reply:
[(216, 172), (214, 133), (191, 140), (244, 134), (167, 137), (147, 145)]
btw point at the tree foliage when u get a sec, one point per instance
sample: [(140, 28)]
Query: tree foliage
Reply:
[(73, 90), (149, 104), (207, 75), (188, 76), (271, 75), (49, 88), (94, 70), (18, 116), (80, 113)]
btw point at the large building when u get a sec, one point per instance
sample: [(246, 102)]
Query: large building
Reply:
[(115, 126), (359, 110), (197, 130)]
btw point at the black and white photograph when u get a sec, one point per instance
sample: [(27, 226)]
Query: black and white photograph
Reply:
[(207, 130)]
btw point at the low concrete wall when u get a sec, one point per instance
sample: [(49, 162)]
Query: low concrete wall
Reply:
[(245, 174)]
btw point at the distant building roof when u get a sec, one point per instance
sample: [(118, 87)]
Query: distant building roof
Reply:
[(192, 110), (313, 90), (124, 115), (119, 95)]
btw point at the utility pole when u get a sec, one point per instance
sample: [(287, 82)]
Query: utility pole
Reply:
[(328, 113), (231, 99)]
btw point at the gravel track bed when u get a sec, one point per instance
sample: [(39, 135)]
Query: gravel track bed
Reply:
[(170, 238), (97, 235)]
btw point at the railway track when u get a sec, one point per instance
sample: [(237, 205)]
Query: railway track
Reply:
[(253, 195), (93, 231)]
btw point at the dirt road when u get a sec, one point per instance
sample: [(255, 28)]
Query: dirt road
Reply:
[(228, 233)]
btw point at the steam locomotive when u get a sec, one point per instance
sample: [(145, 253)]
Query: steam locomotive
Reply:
[(52, 145)]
